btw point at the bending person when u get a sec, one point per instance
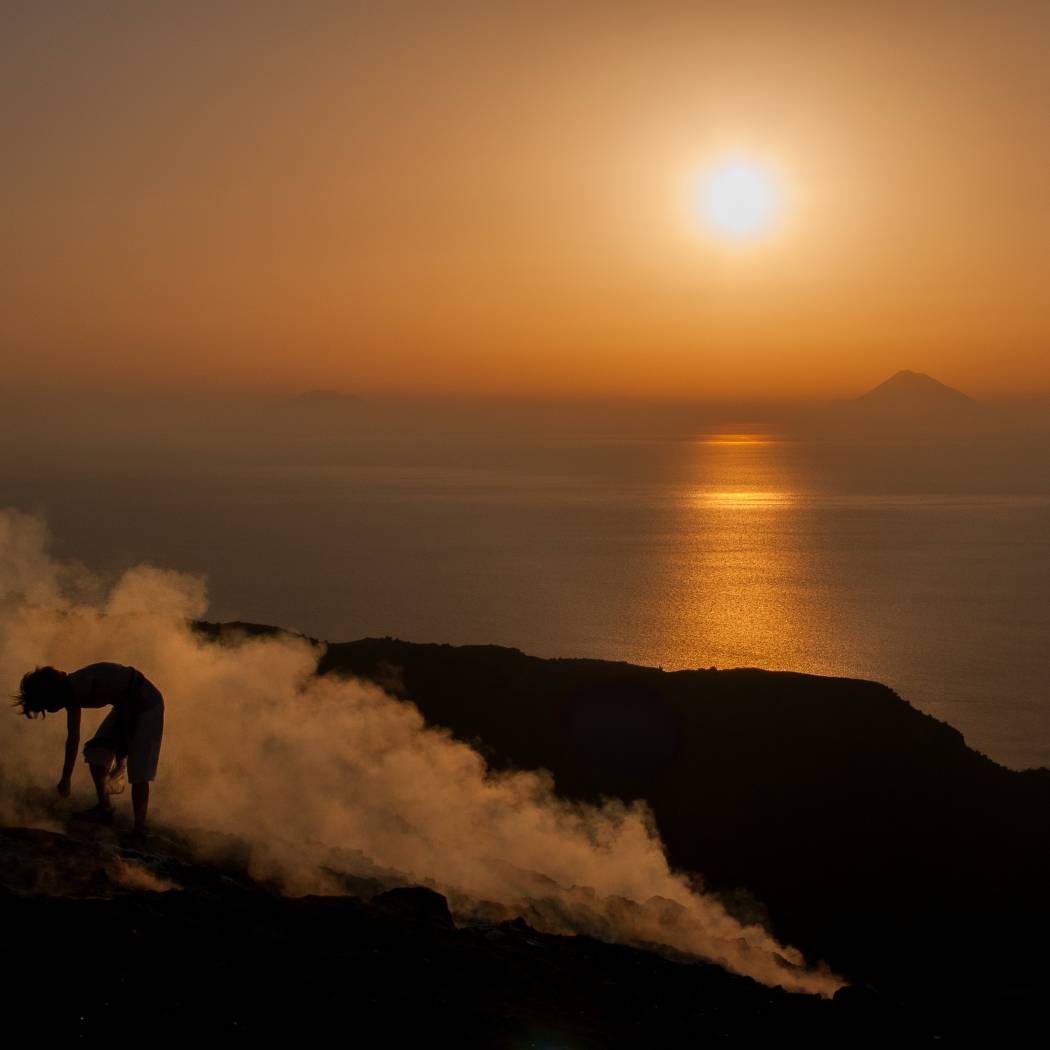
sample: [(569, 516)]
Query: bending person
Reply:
[(132, 731)]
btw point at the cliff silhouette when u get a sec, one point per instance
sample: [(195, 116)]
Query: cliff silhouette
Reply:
[(745, 768), (852, 825), (862, 830)]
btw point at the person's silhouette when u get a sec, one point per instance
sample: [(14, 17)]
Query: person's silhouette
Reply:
[(131, 733)]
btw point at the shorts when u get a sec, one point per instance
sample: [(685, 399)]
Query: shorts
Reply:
[(142, 749)]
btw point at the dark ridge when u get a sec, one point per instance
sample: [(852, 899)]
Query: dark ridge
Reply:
[(234, 631), (866, 832), (854, 818)]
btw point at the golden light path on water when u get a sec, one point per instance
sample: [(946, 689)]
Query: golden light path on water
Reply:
[(737, 439), (745, 498), (741, 591)]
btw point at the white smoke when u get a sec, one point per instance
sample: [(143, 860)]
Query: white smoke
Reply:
[(309, 768)]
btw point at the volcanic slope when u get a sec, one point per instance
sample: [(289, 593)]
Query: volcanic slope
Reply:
[(864, 831), (153, 937)]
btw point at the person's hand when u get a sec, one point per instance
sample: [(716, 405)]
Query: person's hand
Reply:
[(63, 787)]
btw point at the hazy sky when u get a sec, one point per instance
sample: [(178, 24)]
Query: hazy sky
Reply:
[(499, 197)]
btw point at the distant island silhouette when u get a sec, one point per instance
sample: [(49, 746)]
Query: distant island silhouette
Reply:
[(908, 406), (907, 389)]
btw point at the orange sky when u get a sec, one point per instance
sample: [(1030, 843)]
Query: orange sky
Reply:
[(495, 197)]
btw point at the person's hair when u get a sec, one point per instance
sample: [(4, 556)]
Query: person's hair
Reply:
[(39, 688)]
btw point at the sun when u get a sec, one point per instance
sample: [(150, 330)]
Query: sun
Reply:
[(738, 200)]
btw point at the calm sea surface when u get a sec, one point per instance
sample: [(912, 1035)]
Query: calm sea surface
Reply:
[(734, 548)]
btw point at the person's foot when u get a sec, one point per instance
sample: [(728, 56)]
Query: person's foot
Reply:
[(96, 815)]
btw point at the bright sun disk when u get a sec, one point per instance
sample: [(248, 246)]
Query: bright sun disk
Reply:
[(738, 200)]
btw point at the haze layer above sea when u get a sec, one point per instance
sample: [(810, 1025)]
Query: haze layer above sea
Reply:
[(913, 548)]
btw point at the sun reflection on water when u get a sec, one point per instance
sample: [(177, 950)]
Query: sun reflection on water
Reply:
[(744, 499), (737, 439), (738, 587)]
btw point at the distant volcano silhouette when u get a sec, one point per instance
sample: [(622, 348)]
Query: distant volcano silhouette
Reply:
[(913, 390)]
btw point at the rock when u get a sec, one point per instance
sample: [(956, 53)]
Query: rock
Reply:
[(417, 903)]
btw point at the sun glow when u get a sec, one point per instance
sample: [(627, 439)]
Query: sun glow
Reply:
[(738, 200)]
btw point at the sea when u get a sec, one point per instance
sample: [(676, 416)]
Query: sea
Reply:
[(676, 539)]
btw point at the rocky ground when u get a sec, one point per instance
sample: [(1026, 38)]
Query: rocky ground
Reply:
[(875, 839), (105, 940)]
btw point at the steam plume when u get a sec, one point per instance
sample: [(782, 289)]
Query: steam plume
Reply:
[(309, 769)]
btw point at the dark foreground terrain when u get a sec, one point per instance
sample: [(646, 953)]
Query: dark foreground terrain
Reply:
[(874, 836), (102, 941), (861, 830)]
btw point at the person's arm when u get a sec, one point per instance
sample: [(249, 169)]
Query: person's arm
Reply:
[(72, 747)]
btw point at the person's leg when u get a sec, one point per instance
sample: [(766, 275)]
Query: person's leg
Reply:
[(102, 811), (140, 804), (143, 755), (99, 753), (100, 776)]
